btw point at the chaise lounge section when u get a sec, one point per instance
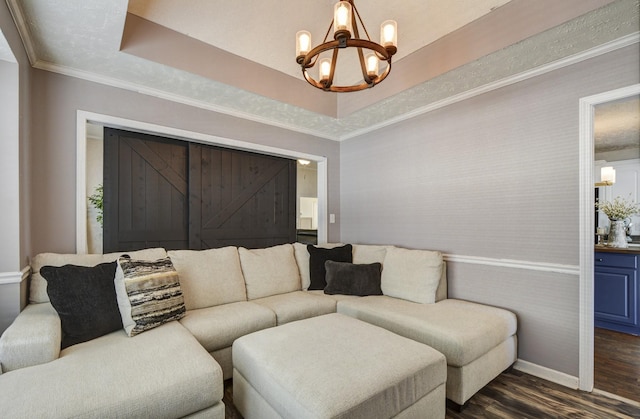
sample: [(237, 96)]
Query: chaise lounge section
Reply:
[(230, 293)]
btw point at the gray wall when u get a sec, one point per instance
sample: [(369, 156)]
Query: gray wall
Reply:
[(53, 186), (495, 176)]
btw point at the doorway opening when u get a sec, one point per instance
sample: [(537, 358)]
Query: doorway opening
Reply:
[(587, 108)]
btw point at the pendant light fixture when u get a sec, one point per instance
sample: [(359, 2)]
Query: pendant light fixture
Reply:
[(347, 35)]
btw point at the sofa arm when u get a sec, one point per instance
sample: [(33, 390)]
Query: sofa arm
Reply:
[(33, 338)]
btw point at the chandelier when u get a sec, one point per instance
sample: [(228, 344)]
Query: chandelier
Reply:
[(347, 35)]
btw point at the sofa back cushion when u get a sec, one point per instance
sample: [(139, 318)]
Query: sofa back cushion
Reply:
[(412, 275), (209, 277), (269, 271), (38, 293), (369, 253)]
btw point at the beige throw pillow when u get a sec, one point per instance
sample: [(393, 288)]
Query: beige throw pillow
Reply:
[(411, 274), (269, 271)]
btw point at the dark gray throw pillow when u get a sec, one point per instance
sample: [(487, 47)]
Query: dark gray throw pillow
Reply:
[(85, 299), (353, 279), (318, 256)]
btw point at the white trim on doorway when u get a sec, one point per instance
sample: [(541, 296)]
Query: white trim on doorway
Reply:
[(84, 117), (586, 107)]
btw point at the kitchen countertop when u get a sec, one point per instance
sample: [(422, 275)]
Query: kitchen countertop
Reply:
[(628, 250)]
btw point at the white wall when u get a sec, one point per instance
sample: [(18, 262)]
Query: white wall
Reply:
[(490, 179)]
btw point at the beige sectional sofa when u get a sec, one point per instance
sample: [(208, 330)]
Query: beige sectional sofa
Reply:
[(177, 369)]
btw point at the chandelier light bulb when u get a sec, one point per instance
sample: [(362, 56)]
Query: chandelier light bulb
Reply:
[(303, 46), (372, 65), (389, 34), (342, 20), (325, 69)]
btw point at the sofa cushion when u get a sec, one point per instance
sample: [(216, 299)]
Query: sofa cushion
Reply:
[(217, 327), (38, 286), (302, 259), (209, 277), (461, 330), (85, 300), (353, 279), (412, 274), (298, 305), (148, 294), (318, 256), (269, 271), (162, 373)]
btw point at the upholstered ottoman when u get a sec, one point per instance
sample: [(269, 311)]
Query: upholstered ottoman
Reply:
[(334, 366)]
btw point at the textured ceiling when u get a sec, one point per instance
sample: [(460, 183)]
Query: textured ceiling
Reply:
[(83, 39), (617, 125)]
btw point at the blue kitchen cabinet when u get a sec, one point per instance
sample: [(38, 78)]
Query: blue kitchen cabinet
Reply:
[(616, 292)]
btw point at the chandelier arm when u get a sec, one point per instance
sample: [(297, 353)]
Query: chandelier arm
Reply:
[(314, 53), (326, 35), (346, 89), (354, 24), (382, 52), (334, 61), (363, 67)]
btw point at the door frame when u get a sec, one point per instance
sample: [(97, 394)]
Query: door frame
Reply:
[(85, 117), (587, 108)]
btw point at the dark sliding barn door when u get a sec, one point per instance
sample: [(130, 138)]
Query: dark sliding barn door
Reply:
[(240, 198), (178, 195), (145, 192)]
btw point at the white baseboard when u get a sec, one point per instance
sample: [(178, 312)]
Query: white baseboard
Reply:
[(547, 374)]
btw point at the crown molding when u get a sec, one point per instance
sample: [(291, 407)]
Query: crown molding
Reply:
[(23, 29)]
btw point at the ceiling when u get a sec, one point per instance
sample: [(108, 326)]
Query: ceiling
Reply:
[(238, 57), (246, 32), (616, 125)]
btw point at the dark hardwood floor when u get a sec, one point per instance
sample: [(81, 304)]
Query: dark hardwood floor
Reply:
[(617, 363), (518, 395)]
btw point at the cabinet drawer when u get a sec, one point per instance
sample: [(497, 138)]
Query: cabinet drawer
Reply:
[(616, 260)]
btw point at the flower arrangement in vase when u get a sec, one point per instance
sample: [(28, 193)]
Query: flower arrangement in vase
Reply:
[(618, 211)]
